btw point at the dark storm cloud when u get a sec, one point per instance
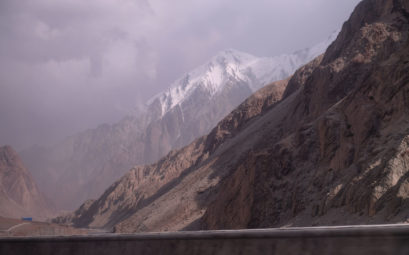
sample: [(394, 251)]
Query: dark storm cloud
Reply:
[(68, 65)]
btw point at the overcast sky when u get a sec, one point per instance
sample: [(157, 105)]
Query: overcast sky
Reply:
[(68, 65)]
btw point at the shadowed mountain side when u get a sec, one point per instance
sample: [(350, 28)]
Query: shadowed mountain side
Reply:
[(345, 161), (143, 183), (333, 151)]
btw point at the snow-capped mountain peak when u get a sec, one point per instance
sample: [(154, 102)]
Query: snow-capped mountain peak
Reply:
[(227, 65), (230, 66)]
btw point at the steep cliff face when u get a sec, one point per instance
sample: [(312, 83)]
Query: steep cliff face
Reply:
[(333, 150), (342, 155), (19, 195)]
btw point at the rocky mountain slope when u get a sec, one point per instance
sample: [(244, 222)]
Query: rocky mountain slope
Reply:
[(19, 194), (333, 150), (143, 184), (83, 165)]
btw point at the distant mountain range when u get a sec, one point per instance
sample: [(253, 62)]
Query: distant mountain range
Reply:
[(230, 67), (82, 166), (329, 146), (19, 194)]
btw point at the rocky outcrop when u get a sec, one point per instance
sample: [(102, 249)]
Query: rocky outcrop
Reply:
[(19, 194), (341, 157), (333, 150)]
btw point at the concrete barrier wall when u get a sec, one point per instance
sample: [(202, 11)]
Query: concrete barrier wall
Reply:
[(341, 240)]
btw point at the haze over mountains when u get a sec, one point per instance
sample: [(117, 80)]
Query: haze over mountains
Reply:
[(82, 166), (19, 194), (243, 142), (329, 146)]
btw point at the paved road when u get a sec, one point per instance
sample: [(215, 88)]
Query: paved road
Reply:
[(374, 239), (18, 225)]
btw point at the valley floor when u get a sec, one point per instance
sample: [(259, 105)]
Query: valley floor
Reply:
[(17, 227)]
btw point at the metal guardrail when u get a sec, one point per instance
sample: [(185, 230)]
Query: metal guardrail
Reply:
[(372, 239)]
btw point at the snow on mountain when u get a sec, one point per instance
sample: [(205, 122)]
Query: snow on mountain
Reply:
[(232, 65), (82, 166)]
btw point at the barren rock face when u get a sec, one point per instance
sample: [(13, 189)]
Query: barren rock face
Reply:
[(19, 195), (342, 156), (332, 150), (144, 184)]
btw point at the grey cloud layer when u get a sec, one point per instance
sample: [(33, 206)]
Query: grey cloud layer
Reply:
[(68, 65)]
